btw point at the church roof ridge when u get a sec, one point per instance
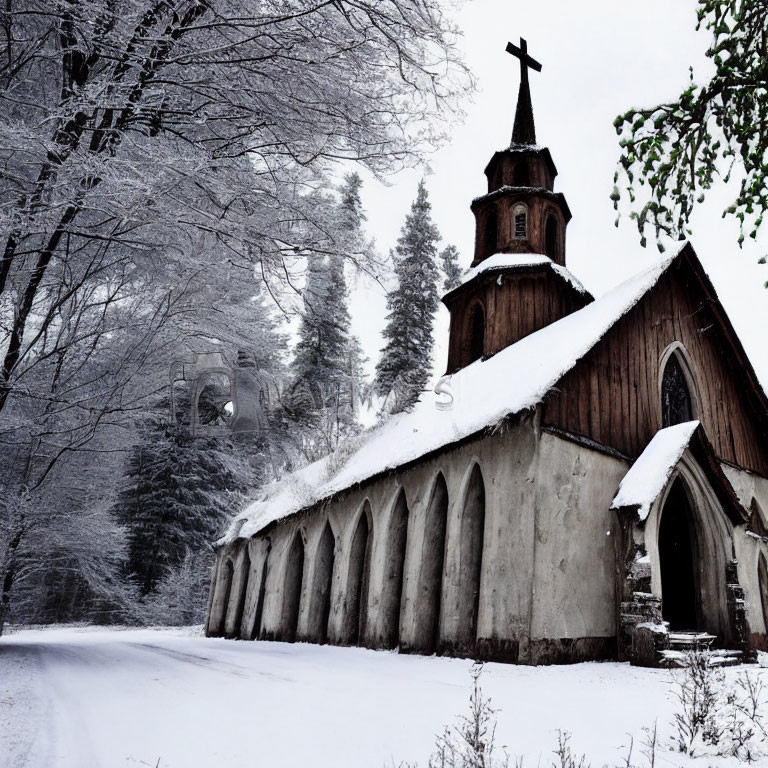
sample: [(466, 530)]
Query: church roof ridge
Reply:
[(546, 355)]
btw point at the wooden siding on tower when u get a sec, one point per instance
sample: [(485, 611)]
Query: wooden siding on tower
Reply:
[(612, 395), (520, 305), (539, 203)]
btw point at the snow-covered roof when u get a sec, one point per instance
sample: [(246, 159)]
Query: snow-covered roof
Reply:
[(501, 261), (513, 380), (648, 476)]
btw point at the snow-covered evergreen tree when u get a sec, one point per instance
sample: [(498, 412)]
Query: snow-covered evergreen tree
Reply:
[(351, 202), (353, 219), (406, 360), (178, 493), (319, 364), (327, 365), (452, 271)]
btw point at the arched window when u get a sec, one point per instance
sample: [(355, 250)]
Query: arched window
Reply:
[(520, 221), (357, 580), (320, 609), (521, 176), (245, 573), (762, 579), (256, 630), (476, 333), (490, 238), (471, 558), (226, 588), (756, 521), (426, 633), (392, 588), (550, 237), (676, 402), (294, 572)]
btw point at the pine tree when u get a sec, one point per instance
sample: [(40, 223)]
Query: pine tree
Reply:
[(178, 492), (406, 360), (451, 269), (327, 362), (351, 203), (318, 362)]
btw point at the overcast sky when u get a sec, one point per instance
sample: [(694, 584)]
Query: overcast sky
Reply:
[(599, 59)]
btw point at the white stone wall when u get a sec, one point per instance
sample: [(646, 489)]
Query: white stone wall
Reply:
[(750, 487), (548, 563), (575, 541)]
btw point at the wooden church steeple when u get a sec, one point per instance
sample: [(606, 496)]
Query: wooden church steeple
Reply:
[(520, 215), (524, 131)]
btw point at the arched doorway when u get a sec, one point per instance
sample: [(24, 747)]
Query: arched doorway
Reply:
[(397, 538), (471, 557), (294, 572), (321, 586), (427, 629), (679, 561), (357, 580)]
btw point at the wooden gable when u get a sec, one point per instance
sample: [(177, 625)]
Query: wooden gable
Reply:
[(612, 396)]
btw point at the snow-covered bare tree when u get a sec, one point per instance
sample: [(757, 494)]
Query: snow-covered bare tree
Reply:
[(118, 116), (153, 152), (406, 360)]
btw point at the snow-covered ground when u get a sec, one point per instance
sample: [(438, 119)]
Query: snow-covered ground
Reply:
[(85, 698)]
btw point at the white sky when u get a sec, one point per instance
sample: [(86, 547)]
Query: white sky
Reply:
[(599, 59)]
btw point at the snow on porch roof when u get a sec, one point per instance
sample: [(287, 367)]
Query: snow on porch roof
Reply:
[(501, 261), (515, 379), (648, 476)]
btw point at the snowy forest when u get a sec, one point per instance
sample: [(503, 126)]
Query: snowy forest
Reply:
[(182, 178)]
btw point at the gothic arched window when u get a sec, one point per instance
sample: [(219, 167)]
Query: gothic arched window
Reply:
[(521, 176), (550, 237), (520, 219), (676, 402), (491, 233), (476, 333), (756, 521)]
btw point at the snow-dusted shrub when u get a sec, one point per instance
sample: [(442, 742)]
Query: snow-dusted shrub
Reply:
[(181, 596), (565, 758), (699, 691), (715, 718), (471, 741)]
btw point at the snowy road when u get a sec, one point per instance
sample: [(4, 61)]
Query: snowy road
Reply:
[(95, 699)]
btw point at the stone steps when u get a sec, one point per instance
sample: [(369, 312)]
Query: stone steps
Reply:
[(682, 643), (719, 658), (690, 641)]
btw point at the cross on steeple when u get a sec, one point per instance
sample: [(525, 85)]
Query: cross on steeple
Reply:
[(524, 131)]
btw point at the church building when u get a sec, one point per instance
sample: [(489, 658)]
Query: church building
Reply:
[(589, 480)]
